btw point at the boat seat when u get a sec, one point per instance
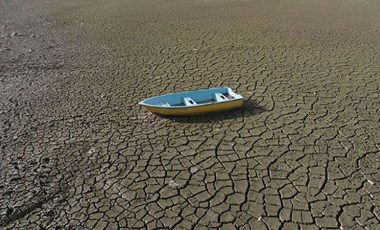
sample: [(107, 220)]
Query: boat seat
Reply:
[(165, 105), (220, 97), (189, 101)]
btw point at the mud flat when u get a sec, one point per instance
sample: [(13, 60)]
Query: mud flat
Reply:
[(76, 152)]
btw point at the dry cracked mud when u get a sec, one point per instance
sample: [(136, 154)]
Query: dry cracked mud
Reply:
[(77, 152)]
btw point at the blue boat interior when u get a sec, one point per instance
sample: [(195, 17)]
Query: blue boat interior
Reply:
[(193, 98)]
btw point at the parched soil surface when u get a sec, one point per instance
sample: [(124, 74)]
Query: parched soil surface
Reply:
[(77, 152)]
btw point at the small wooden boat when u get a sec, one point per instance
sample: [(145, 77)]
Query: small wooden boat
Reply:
[(194, 102)]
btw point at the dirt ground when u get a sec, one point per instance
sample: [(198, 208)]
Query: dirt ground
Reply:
[(77, 152)]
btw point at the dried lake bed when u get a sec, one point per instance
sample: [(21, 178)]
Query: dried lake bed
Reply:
[(77, 152)]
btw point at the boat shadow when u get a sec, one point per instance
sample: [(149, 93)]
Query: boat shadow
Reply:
[(249, 108)]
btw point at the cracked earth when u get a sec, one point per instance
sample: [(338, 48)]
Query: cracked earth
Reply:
[(77, 152)]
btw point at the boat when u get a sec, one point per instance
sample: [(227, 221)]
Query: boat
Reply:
[(196, 102)]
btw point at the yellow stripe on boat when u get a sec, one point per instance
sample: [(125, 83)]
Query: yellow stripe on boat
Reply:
[(196, 110)]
